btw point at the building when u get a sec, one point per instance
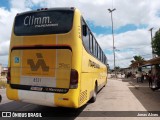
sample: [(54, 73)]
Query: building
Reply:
[(4, 71)]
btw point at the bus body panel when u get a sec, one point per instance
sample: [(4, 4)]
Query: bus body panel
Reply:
[(41, 67), (12, 94), (65, 60), (90, 74), (69, 99), (75, 58)]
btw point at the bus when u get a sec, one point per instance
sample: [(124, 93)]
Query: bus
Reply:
[(54, 59)]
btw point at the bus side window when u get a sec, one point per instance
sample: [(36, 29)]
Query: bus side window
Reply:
[(84, 30), (102, 57), (106, 61), (94, 46), (85, 36), (99, 53), (91, 43), (96, 49)]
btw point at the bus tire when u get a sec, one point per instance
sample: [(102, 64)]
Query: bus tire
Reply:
[(105, 83), (93, 99)]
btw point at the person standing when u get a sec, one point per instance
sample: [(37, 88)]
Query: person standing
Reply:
[(138, 76), (142, 77), (150, 78)]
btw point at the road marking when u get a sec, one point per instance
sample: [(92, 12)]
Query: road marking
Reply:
[(27, 105)]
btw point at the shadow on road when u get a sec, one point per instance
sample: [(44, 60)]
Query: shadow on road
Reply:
[(60, 112), (125, 80), (146, 96), (56, 112)]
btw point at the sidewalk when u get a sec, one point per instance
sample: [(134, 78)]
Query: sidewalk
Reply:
[(147, 97), (133, 82), (4, 97)]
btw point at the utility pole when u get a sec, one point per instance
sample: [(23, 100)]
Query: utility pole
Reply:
[(110, 11), (153, 56)]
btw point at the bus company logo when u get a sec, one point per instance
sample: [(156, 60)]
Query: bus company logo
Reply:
[(40, 63), (38, 21), (93, 64)]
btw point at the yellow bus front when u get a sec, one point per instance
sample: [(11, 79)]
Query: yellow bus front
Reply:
[(45, 58)]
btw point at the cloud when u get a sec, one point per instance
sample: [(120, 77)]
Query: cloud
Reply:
[(127, 45), (18, 4), (127, 12), (6, 23), (4, 48), (137, 12)]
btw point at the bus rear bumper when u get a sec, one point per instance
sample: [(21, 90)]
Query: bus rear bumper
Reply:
[(40, 98), (69, 99)]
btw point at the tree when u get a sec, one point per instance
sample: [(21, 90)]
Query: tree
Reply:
[(156, 43), (132, 61), (137, 58), (117, 67)]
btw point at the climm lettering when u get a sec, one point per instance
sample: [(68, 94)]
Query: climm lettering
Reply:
[(32, 20)]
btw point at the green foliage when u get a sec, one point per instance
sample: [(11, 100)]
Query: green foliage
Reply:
[(156, 43), (138, 58), (117, 67)]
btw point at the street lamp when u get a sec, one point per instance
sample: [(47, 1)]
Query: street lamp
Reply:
[(110, 11), (151, 41)]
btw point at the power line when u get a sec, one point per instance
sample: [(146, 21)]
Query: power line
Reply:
[(130, 57), (142, 47)]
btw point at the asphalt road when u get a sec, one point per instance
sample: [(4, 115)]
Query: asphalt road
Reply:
[(118, 100)]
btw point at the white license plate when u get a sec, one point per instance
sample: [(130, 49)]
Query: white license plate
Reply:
[(36, 88), (38, 81)]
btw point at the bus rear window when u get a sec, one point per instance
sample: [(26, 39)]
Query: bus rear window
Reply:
[(43, 22)]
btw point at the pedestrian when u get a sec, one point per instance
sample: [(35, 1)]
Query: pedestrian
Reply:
[(157, 79), (150, 78), (138, 77), (142, 77), (121, 74)]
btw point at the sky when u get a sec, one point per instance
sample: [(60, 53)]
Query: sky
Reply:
[(132, 20)]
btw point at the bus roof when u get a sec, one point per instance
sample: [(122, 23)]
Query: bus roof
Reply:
[(48, 9)]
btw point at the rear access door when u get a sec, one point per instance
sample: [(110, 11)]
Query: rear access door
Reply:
[(41, 69)]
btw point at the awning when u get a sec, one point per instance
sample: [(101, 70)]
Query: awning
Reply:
[(137, 64), (153, 61)]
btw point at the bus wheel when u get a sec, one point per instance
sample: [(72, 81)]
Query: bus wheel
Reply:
[(93, 99), (105, 83)]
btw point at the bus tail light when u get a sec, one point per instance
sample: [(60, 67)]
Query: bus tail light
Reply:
[(44, 8), (9, 75), (74, 79)]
